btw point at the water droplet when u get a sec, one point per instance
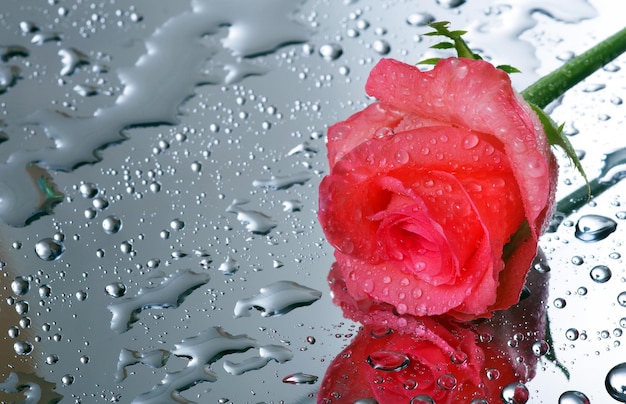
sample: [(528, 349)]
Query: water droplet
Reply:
[(594, 228), (577, 260), (422, 399), (67, 380), (446, 381), (615, 382), (22, 347), (458, 357), (470, 141), (381, 47), (88, 190), (450, 3), (331, 51), (573, 397), (111, 224), (492, 373), (540, 348), (388, 361), (48, 249), (20, 286), (52, 359), (115, 289), (81, 295), (559, 302), (600, 273), (177, 224), (515, 393), (283, 182), (621, 299), (366, 401), (419, 19), (300, 378), (229, 266), (572, 334), (255, 221)]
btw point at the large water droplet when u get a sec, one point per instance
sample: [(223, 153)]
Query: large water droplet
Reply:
[(450, 3), (573, 397), (515, 393), (111, 224), (23, 347), (594, 228), (20, 286), (300, 378), (600, 273), (388, 361), (48, 249), (419, 19), (115, 289), (331, 51), (615, 382)]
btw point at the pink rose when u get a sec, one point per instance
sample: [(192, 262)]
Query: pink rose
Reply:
[(438, 192)]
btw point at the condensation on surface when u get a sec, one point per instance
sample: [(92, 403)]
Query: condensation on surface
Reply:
[(159, 165)]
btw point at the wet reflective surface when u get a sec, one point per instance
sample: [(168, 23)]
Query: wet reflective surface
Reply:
[(159, 165)]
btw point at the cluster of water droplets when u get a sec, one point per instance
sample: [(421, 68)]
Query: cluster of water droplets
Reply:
[(233, 183)]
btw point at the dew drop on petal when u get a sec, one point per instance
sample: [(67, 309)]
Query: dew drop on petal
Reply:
[(470, 141)]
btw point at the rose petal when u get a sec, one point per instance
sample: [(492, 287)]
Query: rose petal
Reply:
[(475, 95)]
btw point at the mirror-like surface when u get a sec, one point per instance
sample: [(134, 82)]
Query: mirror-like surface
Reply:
[(159, 165)]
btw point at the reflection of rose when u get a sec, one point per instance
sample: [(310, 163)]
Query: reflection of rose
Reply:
[(395, 358), (428, 186)]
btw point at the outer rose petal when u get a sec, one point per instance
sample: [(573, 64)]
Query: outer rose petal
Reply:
[(474, 95)]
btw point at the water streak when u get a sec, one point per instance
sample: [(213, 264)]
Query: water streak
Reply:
[(169, 294), (154, 87), (277, 298)]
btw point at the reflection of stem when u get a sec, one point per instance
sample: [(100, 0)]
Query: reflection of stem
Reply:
[(613, 170), (581, 196), (551, 355), (552, 86)]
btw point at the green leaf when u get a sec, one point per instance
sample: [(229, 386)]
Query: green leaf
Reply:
[(443, 45), (462, 49), (431, 61), (509, 69), (556, 137)]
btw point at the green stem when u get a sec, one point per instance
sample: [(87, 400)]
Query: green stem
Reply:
[(552, 86)]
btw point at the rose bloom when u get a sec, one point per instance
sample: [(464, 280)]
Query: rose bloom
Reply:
[(394, 359), (438, 192)]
